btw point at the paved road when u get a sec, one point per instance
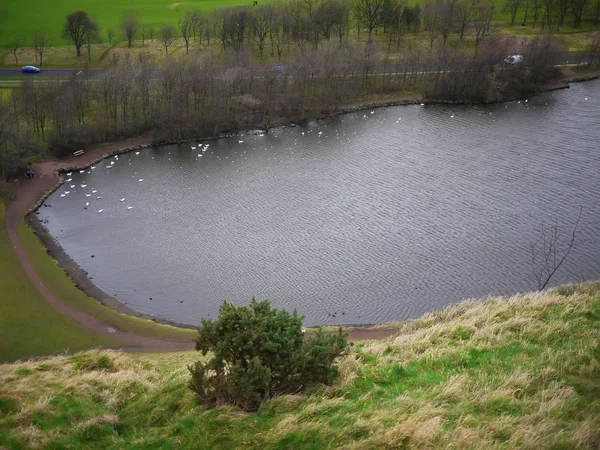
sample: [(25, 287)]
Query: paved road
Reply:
[(63, 73), (567, 58)]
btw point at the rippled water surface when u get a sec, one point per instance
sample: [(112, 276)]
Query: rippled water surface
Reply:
[(368, 217)]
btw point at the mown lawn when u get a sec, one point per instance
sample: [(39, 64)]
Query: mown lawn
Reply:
[(517, 373), (61, 285), (29, 326)]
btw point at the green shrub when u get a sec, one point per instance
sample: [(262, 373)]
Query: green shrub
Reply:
[(260, 352)]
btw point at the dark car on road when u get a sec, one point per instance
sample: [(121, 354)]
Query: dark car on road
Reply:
[(30, 69)]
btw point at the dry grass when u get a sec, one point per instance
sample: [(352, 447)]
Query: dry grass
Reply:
[(517, 373)]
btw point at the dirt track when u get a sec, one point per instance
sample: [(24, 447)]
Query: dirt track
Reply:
[(26, 196)]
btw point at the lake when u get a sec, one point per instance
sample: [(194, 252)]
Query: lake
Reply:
[(363, 218)]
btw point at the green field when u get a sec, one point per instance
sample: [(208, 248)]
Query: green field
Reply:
[(25, 17), (501, 374), (29, 325)]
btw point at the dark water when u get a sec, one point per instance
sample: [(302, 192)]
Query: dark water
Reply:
[(364, 218)]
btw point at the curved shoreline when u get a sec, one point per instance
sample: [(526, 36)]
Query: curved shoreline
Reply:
[(51, 171)]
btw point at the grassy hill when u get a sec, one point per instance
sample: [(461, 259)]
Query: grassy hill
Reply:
[(504, 373)]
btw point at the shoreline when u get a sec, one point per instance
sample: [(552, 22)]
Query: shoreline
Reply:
[(80, 278)]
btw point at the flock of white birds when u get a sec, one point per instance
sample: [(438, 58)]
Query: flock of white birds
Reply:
[(72, 187)]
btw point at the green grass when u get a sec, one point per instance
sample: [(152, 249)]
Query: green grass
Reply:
[(29, 326), (517, 373), (61, 285), (25, 17)]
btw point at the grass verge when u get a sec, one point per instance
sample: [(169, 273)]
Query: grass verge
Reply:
[(522, 372), (61, 285), (29, 325)]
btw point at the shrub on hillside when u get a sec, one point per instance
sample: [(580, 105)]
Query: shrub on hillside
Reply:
[(259, 352)]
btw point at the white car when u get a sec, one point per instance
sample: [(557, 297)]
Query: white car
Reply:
[(514, 59)]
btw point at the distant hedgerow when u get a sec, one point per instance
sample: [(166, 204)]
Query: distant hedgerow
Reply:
[(260, 352)]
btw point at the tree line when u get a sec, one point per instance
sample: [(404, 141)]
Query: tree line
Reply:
[(274, 27)]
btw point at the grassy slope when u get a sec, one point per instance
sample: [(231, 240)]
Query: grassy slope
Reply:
[(62, 286), (522, 372), (29, 326)]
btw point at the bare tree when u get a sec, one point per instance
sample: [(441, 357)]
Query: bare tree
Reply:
[(512, 6), (550, 250), (111, 35), (578, 8), (481, 20), (40, 44), (167, 36), (431, 22), (143, 33), (186, 27), (91, 37), (368, 12), (77, 28), (151, 33), (593, 48), (129, 26), (15, 46), (464, 15)]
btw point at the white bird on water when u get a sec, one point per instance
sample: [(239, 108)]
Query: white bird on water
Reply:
[(240, 142), (452, 116), (62, 195), (72, 186), (88, 195), (93, 167), (87, 203), (193, 148), (137, 153), (141, 179), (129, 207), (81, 171), (94, 191), (99, 197), (123, 199), (69, 180), (69, 174), (100, 210), (84, 185)]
